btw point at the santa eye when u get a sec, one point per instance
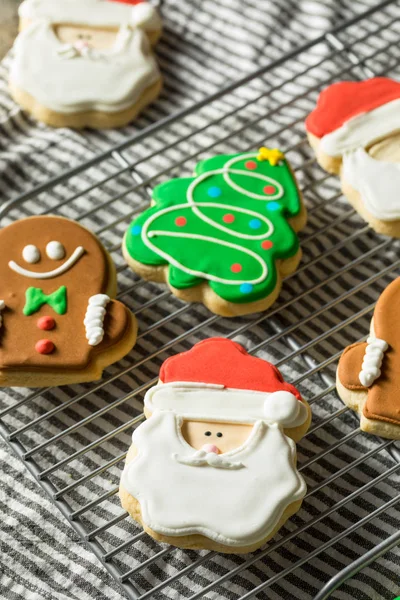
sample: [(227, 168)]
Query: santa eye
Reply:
[(207, 433), (31, 254), (55, 250), (219, 434)]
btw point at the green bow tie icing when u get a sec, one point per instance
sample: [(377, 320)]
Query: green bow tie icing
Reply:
[(35, 299), (228, 225)]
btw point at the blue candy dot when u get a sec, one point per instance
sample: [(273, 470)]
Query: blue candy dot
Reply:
[(246, 288), (214, 192), (273, 206), (136, 229), (255, 224)]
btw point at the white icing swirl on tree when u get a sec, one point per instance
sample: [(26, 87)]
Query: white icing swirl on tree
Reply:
[(94, 318), (371, 366)]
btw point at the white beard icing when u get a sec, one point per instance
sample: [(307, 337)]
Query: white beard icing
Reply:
[(107, 80), (377, 181), (232, 506)]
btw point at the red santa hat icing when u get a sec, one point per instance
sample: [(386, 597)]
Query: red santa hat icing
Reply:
[(217, 380), (94, 13), (353, 114)]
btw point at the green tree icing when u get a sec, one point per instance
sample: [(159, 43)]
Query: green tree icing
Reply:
[(228, 225)]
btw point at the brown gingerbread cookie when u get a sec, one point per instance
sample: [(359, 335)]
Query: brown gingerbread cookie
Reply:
[(59, 324), (368, 376)]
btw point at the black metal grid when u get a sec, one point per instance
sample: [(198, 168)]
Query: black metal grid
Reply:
[(74, 439)]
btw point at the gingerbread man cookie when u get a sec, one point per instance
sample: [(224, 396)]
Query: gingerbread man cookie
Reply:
[(368, 373), (214, 464), (354, 131), (85, 63), (225, 237), (59, 324)]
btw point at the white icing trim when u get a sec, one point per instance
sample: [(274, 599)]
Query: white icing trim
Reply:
[(209, 402), (363, 129), (191, 203), (75, 256), (94, 318), (372, 362)]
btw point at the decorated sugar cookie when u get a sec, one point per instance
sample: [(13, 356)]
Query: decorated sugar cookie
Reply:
[(59, 323), (214, 464), (224, 237), (85, 63), (354, 131), (368, 372)]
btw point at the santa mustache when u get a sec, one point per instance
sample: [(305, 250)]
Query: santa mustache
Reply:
[(201, 458), (78, 49)]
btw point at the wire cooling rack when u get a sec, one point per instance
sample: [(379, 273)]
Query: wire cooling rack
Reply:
[(74, 439)]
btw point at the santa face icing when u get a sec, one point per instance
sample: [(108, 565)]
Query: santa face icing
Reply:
[(214, 460), (371, 370), (83, 56), (350, 119), (228, 226), (56, 309)]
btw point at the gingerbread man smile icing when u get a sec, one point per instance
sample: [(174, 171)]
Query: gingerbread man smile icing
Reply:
[(66, 328), (368, 372), (214, 465), (354, 131)]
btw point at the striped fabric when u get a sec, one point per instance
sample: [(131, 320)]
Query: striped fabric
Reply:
[(351, 476)]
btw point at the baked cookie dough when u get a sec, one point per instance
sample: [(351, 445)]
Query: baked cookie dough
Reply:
[(225, 237), (85, 63), (214, 464)]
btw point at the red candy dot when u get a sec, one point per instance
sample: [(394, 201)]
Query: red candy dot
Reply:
[(228, 218), (250, 164), (44, 346), (46, 323), (236, 268), (269, 189), (180, 221), (266, 244)]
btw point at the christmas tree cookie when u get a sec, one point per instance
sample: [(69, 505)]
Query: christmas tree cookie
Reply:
[(224, 237)]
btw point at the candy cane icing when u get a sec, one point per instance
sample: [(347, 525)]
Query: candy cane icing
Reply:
[(371, 366), (94, 318)]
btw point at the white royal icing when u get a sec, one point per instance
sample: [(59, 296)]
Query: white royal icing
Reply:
[(66, 79), (363, 129), (235, 506), (372, 362), (208, 402), (226, 171), (94, 318), (377, 181), (55, 250), (31, 254), (75, 256), (91, 12)]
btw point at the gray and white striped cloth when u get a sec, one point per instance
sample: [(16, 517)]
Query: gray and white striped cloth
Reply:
[(205, 45)]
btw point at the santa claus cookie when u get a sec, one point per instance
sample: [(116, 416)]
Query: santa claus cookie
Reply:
[(368, 376), (85, 63), (225, 237), (59, 323), (354, 131), (214, 464)]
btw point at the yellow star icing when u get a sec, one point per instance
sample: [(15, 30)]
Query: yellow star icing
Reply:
[(272, 155)]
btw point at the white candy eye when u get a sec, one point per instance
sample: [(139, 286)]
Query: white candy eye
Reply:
[(31, 254), (55, 250)]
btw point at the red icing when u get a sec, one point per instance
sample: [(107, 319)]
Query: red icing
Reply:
[(228, 218), (128, 1), (269, 189), (250, 164), (266, 244), (180, 221), (236, 268), (44, 346), (221, 361), (46, 323), (342, 101)]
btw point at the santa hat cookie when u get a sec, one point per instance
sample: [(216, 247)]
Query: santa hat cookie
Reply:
[(214, 443), (353, 130), (218, 380)]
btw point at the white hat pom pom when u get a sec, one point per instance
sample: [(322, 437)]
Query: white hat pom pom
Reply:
[(145, 16), (283, 408)]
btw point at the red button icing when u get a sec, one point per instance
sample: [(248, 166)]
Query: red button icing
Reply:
[(44, 346), (46, 323)]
